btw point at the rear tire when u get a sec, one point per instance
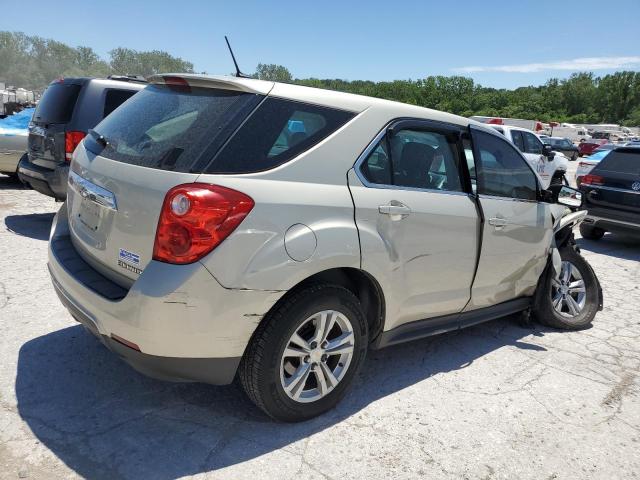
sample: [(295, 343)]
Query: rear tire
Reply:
[(276, 358), (571, 301), (591, 233)]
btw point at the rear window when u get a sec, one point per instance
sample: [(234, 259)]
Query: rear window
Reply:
[(278, 131), (57, 103), (172, 128), (114, 98), (621, 162)]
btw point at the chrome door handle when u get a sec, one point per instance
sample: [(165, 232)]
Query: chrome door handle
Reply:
[(498, 222), (396, 212)]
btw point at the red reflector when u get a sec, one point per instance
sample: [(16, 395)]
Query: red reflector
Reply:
[(592, 180), (195, 218), (71, 141), (124, 342)]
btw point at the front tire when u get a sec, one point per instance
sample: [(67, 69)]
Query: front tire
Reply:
[(305, 353), (591, 233), (571, 300)]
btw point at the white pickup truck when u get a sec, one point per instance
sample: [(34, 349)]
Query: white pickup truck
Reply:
[(550, 166)]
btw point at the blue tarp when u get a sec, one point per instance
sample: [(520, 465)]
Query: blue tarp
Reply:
[(16, 124)]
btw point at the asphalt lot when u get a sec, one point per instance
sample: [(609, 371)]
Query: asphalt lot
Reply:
[(495, 401)]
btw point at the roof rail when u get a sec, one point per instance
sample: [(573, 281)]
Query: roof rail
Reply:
[(128, 78)]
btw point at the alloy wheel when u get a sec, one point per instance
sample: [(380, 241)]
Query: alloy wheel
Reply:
[(317, 356), (568, 291)]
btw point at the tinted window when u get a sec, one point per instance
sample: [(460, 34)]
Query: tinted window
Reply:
[(278, 131), (517, 139), (377, 167), (114, 98), (532, 144), (501, 169), (425, 159), (57, 103), (621, 162), (171, 128)]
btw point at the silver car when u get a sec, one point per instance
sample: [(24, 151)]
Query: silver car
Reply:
[(218, 227)]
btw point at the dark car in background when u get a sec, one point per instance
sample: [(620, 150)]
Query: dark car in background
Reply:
[(563, 145), (612, 194), (68, 108)]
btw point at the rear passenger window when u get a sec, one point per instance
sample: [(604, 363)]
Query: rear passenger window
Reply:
[(501, 170), (377, 167), (417, 159), (114, 98), (278, 131), (517, 140), (423, 159)]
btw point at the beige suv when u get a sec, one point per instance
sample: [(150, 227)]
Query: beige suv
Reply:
[(218, 227)]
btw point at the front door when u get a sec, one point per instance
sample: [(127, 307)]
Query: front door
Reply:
[(418, 227), (517, 227)]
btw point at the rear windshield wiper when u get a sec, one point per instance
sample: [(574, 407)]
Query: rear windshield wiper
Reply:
[(99, 139)]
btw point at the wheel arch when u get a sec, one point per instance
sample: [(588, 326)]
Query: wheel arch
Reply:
[(359, 282)]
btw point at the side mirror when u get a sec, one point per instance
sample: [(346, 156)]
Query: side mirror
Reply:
[(563, 195), (548, 152)]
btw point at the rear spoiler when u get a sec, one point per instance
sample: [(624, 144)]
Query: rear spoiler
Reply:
[(248, 85)]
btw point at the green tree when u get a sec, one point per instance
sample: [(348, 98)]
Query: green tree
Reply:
[(273, 72), (125, 61), (618, 95)]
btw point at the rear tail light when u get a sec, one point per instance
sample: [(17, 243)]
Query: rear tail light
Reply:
[(71, 141), (195, 219), (592, 180)]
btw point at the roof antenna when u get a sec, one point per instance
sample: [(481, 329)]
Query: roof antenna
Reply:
[(238, 72)]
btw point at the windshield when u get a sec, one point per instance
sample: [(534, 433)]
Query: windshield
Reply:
[(170, 128)]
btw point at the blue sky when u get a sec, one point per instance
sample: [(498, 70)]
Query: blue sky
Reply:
[(497, 43)]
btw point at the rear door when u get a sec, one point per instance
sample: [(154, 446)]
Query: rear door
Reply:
[(517, 231), (617, 182), (54, 111), (418, 226)]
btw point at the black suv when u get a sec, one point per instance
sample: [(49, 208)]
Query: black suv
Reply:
[(612, 194), (68, 108), (563, 145)]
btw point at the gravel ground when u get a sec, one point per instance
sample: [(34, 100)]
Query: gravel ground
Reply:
[(494, 401)]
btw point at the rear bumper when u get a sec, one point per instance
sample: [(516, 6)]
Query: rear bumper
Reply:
[(52, 183), (613, 221), (187, 326)]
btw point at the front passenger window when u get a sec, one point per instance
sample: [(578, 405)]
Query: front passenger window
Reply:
[(532, 143), (501, 170)]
